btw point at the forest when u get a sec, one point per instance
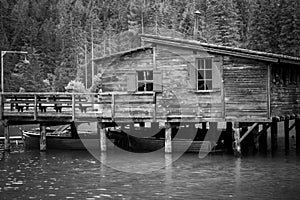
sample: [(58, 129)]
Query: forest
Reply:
[(62, 36)]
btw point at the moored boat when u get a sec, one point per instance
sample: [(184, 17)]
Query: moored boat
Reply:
[(61, 138)]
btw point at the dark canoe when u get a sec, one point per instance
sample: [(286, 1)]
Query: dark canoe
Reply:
[(32, 141), (61, 138), (150, 144)]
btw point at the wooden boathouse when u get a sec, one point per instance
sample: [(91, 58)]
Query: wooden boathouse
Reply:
[(174, 83)]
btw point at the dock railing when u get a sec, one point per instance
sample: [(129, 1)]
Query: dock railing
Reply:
[(108, 105)]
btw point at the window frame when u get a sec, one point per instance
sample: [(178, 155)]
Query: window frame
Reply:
[(205, 68), (144, 81)]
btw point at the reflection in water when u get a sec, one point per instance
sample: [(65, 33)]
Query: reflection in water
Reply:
[(238, 177), (168, 174), (78, 175)]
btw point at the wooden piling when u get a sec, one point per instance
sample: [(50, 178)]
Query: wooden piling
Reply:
[(43, 137), (286, 135), (228, 138), (274, 135), (102, 135), (297, 121), (168, 138), (6, 137), (236, 143), (263, 140)]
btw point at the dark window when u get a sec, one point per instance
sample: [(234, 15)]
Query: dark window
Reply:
[(145, 81), (204, 69)]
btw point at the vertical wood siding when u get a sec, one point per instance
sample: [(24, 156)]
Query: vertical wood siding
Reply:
[(285, 95), (245, 85)]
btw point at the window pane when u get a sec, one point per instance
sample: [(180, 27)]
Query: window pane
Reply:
[(149, 86), (140, 75), (208, 74), (200, 74), (141, 86), (201, 85), (208, 85), (149, 75), (208, 64), (200, 64)]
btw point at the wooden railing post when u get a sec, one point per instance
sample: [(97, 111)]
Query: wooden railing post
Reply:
[(35, 107), (113, 106), (1, 106), (73, 107)]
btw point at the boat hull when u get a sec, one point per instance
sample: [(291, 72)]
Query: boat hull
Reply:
[(62, 143)]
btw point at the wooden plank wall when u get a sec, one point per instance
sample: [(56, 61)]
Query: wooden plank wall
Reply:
[(285, 90), (177, 98), (245, 84)]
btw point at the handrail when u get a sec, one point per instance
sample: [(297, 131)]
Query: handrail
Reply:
[(66, 93), (39, 102)]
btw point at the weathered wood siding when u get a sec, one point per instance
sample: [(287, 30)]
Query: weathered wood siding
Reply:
[(245, 84), (177, 98), (285, 90)]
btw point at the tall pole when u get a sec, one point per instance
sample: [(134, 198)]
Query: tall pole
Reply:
[(86, 64), (93, 69), (2, 73)]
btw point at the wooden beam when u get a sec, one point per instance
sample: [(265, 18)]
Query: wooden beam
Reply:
[(1, 107), (274, 135), (73, 107), (236, 144), (113, 106), (263, 140), (248, 132), (269, 92), (286, 134), (276, 119), (293, 126), (154, 106), (229, 137), (154, 56), (101, 129), (35, 108), (297, 134), (168, 138)]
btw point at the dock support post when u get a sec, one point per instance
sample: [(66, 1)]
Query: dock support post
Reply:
[(228, 138), (168, 138), (297, 121), (102, 134), (263, 140), (236, 143), (6, 137), (43, 137), (274, 133), (286, 135)]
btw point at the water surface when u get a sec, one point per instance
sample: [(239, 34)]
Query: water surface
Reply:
[(78, 175)]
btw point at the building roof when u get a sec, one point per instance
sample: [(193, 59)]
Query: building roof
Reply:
[(121, 53), (231, 51), (210, 48)]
